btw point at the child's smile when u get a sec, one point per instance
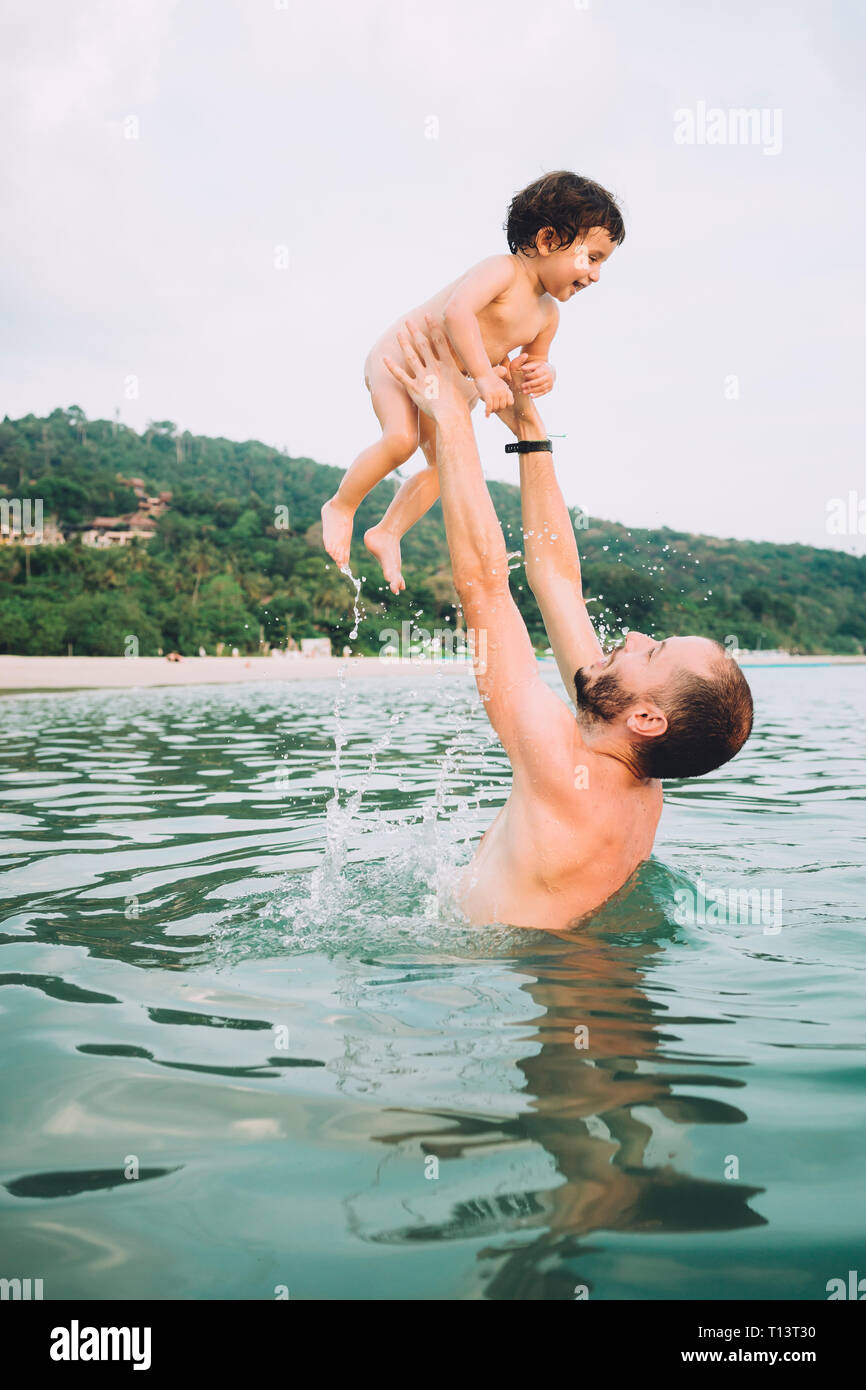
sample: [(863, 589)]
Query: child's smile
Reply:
[(585, 258)]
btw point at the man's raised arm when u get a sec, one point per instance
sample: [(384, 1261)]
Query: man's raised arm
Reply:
[(519, 705), (552, 562)]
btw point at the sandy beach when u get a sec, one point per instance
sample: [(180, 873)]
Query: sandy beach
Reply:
[(35, 673), (18, 673)]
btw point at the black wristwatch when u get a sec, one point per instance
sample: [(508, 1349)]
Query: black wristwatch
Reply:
[(529, 446)]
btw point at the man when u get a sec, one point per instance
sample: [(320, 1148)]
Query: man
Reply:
[(586, 796)]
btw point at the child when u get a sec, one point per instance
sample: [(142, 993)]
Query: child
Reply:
[(560, 229)]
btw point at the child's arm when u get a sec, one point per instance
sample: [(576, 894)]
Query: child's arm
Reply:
[(476, 290), (538, 374)]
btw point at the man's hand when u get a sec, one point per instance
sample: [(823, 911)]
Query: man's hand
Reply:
[(538, 376), (434, 381), (494, 391)]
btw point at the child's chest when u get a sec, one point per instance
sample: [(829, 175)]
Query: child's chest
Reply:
[(512, 321)]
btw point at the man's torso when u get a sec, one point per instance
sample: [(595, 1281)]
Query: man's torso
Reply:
[(548, 860)]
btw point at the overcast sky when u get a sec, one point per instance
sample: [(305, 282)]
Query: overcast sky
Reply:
[(157, 154)]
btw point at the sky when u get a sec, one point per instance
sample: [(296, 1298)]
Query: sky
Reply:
[(214, 207)]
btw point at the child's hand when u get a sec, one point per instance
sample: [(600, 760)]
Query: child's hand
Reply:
[(522, 412), (538, 376), (494, 391)]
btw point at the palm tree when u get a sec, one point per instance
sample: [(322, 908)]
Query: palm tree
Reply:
[(200, 563)]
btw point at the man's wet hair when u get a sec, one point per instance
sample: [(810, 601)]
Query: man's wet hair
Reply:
[(709, 717), (568, 203)]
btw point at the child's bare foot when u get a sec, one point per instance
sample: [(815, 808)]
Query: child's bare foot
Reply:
[(386, 547), (337, 531)]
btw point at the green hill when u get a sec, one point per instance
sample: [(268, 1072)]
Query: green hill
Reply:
[(238, 556)]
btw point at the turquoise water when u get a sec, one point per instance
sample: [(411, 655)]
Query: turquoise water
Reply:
[(258, 999)]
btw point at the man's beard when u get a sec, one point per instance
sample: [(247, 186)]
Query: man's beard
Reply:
[(602, 698)]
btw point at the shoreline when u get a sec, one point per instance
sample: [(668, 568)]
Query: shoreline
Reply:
[(38, 674)]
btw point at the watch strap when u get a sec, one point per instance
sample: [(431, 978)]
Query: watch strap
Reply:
[(529, 446)]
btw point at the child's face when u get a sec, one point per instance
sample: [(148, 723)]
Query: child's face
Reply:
[(571, 268)]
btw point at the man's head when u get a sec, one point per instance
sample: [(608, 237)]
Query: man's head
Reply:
[(677, 708), (568, 226)]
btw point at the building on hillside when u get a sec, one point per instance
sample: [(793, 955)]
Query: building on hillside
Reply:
[(150, 506), (140, 525), (118, 530)]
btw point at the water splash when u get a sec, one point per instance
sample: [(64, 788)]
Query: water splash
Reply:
[(424, 861), (356, 600), (381, 879), (327, 891), (338, 818)]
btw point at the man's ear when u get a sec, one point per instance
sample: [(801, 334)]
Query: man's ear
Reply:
[(647, 720)]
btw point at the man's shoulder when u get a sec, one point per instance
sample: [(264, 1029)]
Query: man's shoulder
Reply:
[(582, 781)]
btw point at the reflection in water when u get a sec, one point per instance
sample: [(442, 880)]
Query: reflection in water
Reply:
[(596, 1057), (53, 1185)]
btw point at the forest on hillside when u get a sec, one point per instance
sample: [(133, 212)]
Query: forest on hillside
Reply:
[(237, 558)]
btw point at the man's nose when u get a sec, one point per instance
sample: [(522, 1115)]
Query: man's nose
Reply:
[(637, 642)]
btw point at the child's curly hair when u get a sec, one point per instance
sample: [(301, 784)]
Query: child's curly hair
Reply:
[(568, 203)]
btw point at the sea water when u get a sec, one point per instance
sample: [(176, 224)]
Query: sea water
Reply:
[(251, 1050)]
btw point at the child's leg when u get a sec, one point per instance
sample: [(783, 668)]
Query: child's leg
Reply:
[(399, 420), (414, 498), (409, 504)]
